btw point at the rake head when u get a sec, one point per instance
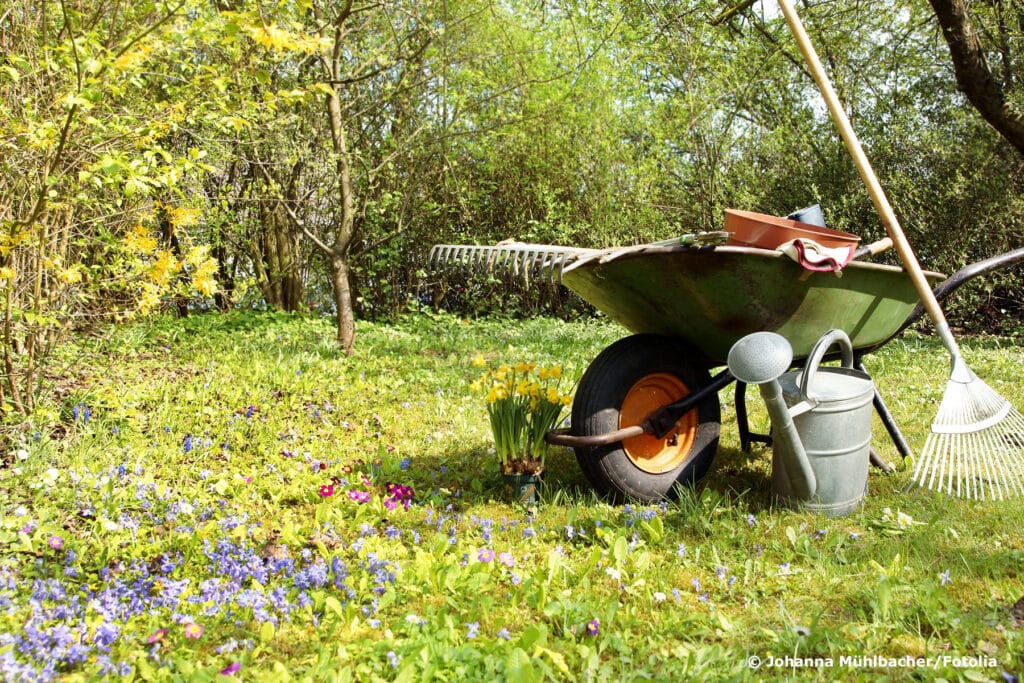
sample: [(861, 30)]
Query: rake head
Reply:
[(976, 445), (546, 260), (517, 258)]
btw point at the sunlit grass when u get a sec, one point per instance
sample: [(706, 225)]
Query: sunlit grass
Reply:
[(219, 481)]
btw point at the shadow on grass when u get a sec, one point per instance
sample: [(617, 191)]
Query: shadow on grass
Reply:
[(733, 474)]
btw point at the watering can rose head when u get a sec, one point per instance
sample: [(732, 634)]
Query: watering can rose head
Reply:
[(524, 402)]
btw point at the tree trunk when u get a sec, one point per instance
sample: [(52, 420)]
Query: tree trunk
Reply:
[(343, 302), (169, 236), (974, 77), (340, 273)]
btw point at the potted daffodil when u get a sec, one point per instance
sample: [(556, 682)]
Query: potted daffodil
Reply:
[(524, 401)]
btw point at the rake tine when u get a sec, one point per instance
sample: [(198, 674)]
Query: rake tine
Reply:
[(537, 260), (502, 257), (988, 468), (522, 262), (525, 258), (554, 266), (537, 265), (488, 255), (526, 263)]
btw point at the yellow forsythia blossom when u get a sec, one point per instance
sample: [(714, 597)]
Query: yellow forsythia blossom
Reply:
[(139, 240)]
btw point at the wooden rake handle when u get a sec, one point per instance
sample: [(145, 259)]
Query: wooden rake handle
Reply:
[(867, 174)]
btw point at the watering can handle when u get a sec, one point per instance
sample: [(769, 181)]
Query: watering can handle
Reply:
[(818, 353)]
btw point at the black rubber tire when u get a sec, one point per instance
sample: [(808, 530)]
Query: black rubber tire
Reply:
[(599, 398)]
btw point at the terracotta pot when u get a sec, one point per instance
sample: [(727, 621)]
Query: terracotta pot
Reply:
[(760, 230)]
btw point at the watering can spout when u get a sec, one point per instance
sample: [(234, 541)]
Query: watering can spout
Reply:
[(801, 476), (761, 358)]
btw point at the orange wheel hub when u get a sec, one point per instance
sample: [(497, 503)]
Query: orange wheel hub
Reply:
[(647, 452)]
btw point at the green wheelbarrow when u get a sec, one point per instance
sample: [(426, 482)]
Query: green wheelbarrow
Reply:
[(646, 417)]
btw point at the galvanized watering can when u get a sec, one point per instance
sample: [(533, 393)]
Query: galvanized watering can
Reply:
[(821, 420)]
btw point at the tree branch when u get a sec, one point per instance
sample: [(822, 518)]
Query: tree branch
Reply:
[(974, 77)]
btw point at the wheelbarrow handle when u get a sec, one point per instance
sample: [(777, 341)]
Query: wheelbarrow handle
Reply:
[(563, 437), (962, 277), (873, 248)]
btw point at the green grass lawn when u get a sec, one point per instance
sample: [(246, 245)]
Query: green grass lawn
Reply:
[(230, 495)]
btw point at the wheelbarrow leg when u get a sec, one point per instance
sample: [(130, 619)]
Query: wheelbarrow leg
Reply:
[(890, 426), (746, 436)]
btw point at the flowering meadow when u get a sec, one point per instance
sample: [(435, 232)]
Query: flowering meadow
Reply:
[(228, 497)]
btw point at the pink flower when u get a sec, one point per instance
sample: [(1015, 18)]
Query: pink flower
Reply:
[(193, 630), (327, 490), (56, 542), (231, 669), (156, 636)]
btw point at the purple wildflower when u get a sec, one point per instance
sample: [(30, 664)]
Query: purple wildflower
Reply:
[(593, 627), (231, 669), (359, 496)]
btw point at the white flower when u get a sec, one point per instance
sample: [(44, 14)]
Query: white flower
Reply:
[(614, 573), (659, 596), (22, 454)]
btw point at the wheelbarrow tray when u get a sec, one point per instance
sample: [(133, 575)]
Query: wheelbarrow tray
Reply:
[(711, 297)]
